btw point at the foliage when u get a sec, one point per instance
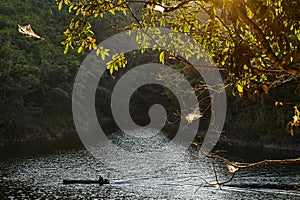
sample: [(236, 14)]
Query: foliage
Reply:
[(35, 76), (295, 122), (256, 42)]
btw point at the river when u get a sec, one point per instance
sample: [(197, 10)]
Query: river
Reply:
[(36, 171)]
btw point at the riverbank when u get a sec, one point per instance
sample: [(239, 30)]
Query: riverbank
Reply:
[(43, 130), (48, 131), (283, 142), (266, 142), (33, 137)]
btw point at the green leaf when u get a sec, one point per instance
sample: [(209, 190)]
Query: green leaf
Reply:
[(102, 52), (80, 49), (298, 36), (162, 57), (66, 49), (239, 88), (60, 4), (225, 50), (112, 11)]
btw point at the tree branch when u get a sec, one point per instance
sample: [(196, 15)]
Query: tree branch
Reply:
[(235, 167), (266, 48)]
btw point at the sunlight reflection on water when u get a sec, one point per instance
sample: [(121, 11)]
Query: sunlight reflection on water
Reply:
[(41, 176)]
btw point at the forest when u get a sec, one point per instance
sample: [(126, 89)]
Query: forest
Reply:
[(37, 79)]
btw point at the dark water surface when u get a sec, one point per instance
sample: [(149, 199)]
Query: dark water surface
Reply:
[(36, 171)]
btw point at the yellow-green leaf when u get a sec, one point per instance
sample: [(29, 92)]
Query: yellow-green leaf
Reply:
[(162, 57), (239, 88), (60, 4), (112, 11), (225, 50), (80, 49), (66, 49)]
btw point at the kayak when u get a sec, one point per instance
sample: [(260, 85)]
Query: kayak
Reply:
[(100, 181)]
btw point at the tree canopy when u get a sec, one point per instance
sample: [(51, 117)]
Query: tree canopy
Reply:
[(256, 42)]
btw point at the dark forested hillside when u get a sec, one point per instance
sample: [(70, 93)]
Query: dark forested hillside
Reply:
[(35, 76), (263, 122)]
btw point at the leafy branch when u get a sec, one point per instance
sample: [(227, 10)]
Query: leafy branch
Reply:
[(294, 123), (266, 48)]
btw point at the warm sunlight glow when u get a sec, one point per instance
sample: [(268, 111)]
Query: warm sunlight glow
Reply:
[(159, 8)]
